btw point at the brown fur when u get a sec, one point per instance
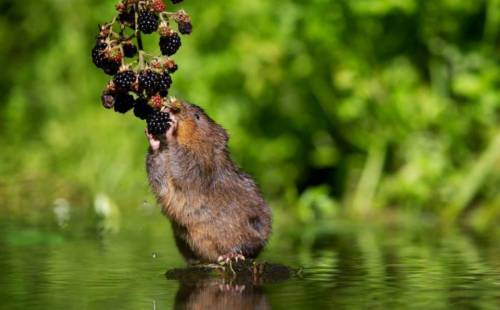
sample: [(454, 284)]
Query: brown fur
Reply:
[(215, 209)]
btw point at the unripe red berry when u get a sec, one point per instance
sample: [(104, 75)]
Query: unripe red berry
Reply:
[(156, 101), (158, 6), (115, 54)]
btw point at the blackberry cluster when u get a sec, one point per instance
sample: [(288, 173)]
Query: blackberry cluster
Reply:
[(158, 122), (141, 81), (170, 44)]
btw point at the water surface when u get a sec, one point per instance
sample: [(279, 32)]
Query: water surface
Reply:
[(92, 263)]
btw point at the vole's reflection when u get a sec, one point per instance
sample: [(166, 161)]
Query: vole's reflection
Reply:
[(220, 294), (208, 288)]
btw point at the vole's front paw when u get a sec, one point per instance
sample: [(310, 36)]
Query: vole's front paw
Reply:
[(154, 143), (227, 258), (172, 130)]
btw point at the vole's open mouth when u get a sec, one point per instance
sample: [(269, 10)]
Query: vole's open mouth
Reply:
[(171, 112)]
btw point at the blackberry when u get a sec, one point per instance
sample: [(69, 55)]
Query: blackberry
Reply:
[(107, 100), (176, 1), (148, 81), (114, 54), (147, 21), (170, 44), (98, 55), (127, 18), (142, 109), (111, 67), (158, 123), (123, 102), (108, 95), (173, 68), (185, 27), (164, 83), (129, 49), (101, 58), (123, 80)]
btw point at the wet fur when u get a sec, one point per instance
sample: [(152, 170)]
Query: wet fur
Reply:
[(214, 208)]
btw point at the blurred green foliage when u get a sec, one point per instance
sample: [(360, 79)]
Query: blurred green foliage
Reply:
[(348, 107)]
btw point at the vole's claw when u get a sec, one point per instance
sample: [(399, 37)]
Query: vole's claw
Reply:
[(227, 258)]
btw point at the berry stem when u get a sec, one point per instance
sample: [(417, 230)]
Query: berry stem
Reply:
[(113, 21), (137, 31), (168, 14), (139, 38), (141, 60), (148, 54), (114, 35), (163, 18), (123, 54)]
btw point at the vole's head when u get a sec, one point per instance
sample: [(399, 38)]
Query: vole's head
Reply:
[(195, 129)]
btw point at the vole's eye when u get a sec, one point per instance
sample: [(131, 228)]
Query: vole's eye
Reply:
[(197, 116)]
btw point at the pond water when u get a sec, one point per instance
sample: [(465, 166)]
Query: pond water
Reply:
[(121, 263)]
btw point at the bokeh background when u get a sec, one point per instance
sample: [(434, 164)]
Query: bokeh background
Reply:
[(338, 108), (372, 128)]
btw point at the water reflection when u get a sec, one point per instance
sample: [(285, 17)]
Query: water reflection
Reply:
[(220, 294), (241, 287)]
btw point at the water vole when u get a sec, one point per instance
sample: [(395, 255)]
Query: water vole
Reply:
[(217, 212)]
